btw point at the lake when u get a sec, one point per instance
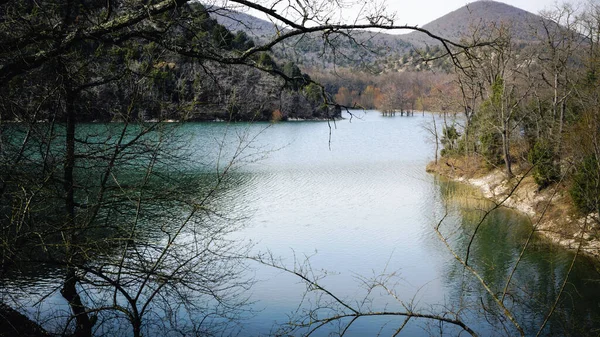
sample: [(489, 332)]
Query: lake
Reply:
[(352, 200), (354, 197)]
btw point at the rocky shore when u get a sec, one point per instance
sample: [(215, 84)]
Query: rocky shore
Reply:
[(549, 210)]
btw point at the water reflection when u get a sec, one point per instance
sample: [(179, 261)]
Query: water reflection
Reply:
[(361, 205), (537, 281), (148, 240)]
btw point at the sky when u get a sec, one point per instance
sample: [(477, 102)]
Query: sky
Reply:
[(408, 12), (415, 12)]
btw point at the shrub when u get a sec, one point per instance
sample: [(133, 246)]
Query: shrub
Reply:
[(276, 116), (585, 190), (545, 171), (451, 141), (490, 147)]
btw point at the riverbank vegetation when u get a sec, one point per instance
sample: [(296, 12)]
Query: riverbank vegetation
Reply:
[(532, 109)]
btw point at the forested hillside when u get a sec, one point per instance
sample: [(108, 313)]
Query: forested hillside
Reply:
[(166, 84), (361, 50), (377, 52), (388, 63)]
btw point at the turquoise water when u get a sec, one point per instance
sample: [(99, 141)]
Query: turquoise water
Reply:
[(354, 197), (351, 200)]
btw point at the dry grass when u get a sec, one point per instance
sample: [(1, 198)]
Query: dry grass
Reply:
[(459, 167)]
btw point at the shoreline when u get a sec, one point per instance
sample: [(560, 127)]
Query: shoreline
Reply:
[(209, 120), (549, 210)]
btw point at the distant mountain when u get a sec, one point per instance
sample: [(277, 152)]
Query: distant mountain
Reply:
[(363, 51), (383, 51), (460, 23)]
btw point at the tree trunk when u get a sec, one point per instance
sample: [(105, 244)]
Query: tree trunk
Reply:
[(558, 150), (506, 152), (83, 327), (437, 141), (69, 291)]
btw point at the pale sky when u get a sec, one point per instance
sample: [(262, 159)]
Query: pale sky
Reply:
[(408, 12), (415, 12)]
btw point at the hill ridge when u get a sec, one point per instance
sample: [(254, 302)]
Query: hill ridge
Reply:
[(453, 25), (460, 22)]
